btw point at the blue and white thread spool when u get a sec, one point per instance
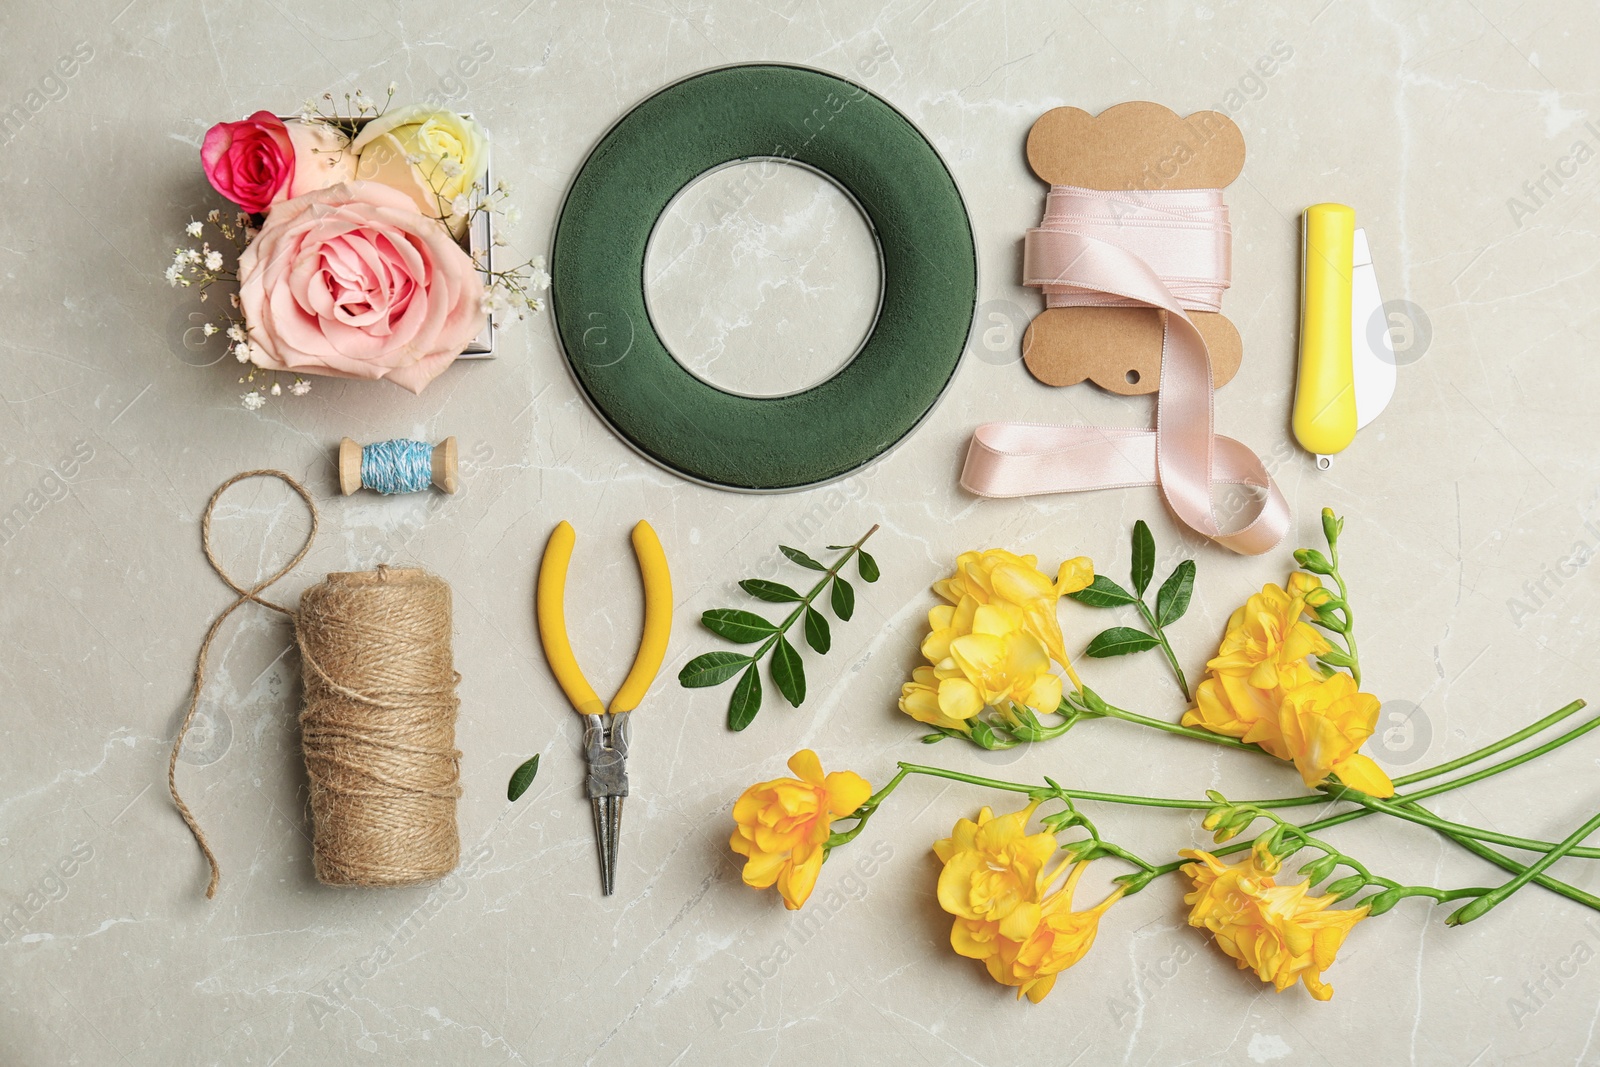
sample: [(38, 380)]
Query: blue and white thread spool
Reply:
[(398, 466)]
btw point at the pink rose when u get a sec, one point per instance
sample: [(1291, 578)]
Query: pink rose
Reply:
[(353, 282), (262, 160), (250, 162)]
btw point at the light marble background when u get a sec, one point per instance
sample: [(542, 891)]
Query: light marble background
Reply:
[(1479, 479)]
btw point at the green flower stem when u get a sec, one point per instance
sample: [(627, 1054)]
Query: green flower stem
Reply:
[(1444, 787), (864, 812), (1161, 635), (805, 602), (1499, 746), (1411, 813), (1506, 765), (1506, 863), (1149, 873), (1477, 848), (1349, 633), (1491, 899), (1123, 854), (1100, 707), (1047, 791)]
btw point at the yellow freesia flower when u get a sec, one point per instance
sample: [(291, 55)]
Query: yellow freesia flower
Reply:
[(1262, 655), (997, 576), (992, 866), (1058, 940), (1253, 719), (985, 658), (1278, 932), (996, 882), (1323, 722), (1001, 662), (919, 698), (1267, 633), (781, 826)]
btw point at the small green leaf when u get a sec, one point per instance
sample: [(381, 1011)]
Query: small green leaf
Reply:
[(818, 635), (1172, 600), (797, 556), (773, 592), (867, 566), (1103, 593), (746, 700), (713, 668), (844, 599), (740, 627), (1119, 641), (788, 673), (1144, 557), (522, 778)]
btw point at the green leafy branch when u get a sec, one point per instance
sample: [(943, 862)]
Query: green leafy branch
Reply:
[(746, 628), (1172, 600)]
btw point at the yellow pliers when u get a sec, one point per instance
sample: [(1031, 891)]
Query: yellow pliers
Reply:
[(605, 736)]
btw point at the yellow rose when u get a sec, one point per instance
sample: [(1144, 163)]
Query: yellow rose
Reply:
[(1323, 722), (781, 826), (1278, 932), (432, 155)]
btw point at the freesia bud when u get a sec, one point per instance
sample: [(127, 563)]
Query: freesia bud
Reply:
[(1383, 901), (1313, 561), (1346, 886), (1331, 526), (1317, 870)]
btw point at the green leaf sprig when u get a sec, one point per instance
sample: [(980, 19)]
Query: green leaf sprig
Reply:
[(747, 628), (1172, 600)]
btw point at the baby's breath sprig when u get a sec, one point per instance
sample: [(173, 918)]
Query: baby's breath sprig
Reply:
[(514, 292), (347, 112), (202, 266)]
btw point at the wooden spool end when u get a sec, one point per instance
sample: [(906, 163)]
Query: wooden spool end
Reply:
[(444, 465), (349, 466)]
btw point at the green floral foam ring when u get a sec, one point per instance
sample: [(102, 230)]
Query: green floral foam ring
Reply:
[(910, 200)]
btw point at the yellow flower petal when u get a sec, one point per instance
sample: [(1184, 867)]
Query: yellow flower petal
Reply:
[(1360, 772), (959, 698), (806, 766)]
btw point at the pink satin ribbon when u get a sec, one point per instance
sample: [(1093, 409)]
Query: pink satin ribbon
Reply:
[(1162, 249)]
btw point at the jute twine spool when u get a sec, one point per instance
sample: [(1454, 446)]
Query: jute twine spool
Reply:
[(378, 725)]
